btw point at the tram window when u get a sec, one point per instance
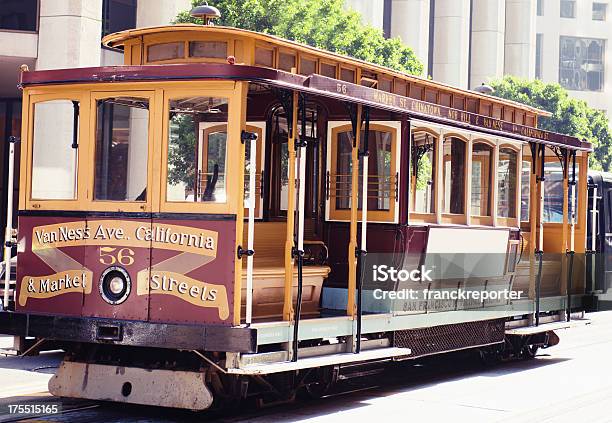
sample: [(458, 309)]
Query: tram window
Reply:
[(54, 160), (482, 159), (423, 173), (264, 56), (381, 170), (347, 75), (165, 51), (553, 190), (210, 49), (197, 150), (122, 142), (454, 175), (525, 187), (328, 70), (307, 66), (286, 61), (506, 182)]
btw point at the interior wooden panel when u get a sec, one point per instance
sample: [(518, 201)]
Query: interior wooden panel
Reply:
[(269, 274)]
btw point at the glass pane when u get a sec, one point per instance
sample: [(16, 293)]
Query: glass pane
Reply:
[(307, 66), (212, 49), (264, 56), (286, 61), (165, 51), (525, 188), (454, 176), (54, 160), (118, 15), (424, 159), (20, 15), (599, 11), (343, 170), (197, 150), (582, 63), (122, 141), (506, 183), (482, 158), (553, 189), (328, 70), (247, 172), (381, 183)]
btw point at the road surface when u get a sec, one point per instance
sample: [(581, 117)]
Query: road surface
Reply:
[(571, 382)]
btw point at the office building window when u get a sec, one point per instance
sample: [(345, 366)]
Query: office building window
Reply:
[(19, 15), (540, 7), (568, 8), (539, 50), (118, 15), (599, 11), (581, 63)]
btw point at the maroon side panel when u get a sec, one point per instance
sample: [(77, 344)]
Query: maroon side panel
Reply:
[(133, 259), (191, 288), (38, 290)]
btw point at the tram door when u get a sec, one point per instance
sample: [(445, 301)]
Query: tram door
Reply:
[(194, 235), (118, 249)]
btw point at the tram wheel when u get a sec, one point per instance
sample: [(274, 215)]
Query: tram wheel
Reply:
[(529, 352)]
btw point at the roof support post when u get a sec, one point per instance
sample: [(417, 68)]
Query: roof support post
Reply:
[(289, 238), (352, 247)]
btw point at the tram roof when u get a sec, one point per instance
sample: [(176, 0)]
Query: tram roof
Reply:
[(118, 40), (314, 84)]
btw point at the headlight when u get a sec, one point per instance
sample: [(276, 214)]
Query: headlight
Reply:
[(115, 285)]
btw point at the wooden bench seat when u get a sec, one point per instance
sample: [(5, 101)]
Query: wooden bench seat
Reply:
[(269, 275)]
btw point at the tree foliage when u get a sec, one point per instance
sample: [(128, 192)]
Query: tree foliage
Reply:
[(569, 115), (324, 24)]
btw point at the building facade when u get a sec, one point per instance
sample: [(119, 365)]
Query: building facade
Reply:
[(53, 34), (469, 42)]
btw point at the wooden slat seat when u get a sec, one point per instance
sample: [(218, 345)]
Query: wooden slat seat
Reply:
[(269, 275)]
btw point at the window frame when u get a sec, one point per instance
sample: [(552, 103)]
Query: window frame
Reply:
[(513, 222), (482, 219), (234, 124), (605, 11), (185, 38), (414, 216), (374, 216), (455, 218), (28, 150), (152, 180), (258, 127)]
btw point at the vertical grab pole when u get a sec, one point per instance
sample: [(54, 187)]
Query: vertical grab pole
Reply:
[(592, 251), (571, 251), (364, 224), (289, 238), (251, 230), (8, 233), (540, 251), (300, 236)]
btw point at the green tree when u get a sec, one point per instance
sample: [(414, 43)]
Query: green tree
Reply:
[(569, 115), (324, 24)]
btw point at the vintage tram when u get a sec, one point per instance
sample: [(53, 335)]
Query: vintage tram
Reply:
[(193, 225)]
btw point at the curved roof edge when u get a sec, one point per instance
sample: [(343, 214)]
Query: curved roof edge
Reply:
[(117, 39)]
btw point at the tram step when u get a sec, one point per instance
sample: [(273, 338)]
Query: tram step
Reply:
[(320, 361), (530, 330)]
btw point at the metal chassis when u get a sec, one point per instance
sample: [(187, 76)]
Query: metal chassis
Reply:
[(240, 339)]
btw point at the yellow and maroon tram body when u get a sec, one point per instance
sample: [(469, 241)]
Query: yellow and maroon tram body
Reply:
[(138, 191)]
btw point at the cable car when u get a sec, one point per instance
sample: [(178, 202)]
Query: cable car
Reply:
[(193, 225)]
